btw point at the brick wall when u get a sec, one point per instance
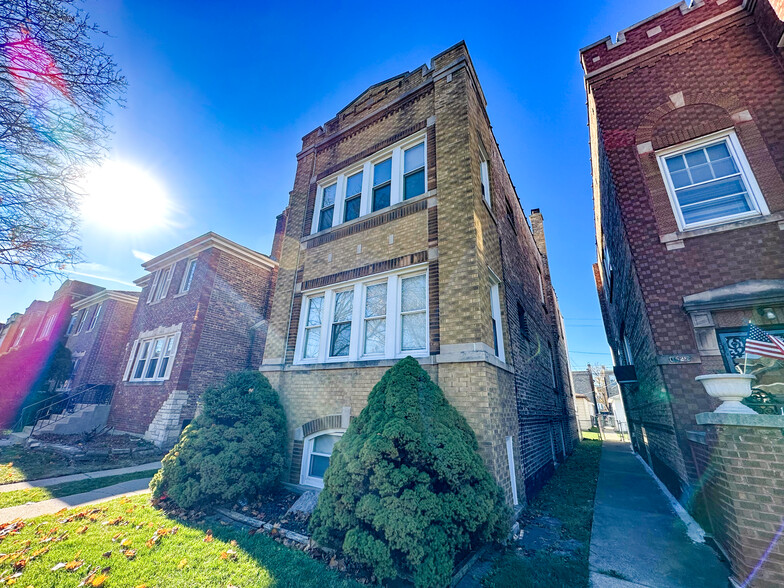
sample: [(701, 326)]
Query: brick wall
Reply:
[(101, 347), (718, 70), (745, 483)]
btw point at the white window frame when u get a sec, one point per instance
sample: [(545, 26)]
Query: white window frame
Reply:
[(393, 328), (94, 318), (366, 167), (512, 473), (495, 311), (72, 324), (484, 175), (46, 326), (19, 336), (135, 358), (159, 288), (756, 200), (541, 287), (307, 450), (185, 284), (80, 323)]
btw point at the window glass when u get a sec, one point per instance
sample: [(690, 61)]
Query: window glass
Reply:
[(327, 207), (142, 360), (155, 356), (412, 307), (167, 351), (708, 184), (96, 314), (382, 184), (414, 171), (375, 319), (313, 327), (341, 324), (353, 197), (186, 285), (322, 448)]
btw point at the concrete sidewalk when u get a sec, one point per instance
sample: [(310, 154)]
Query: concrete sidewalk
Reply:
[(44, 482), (35, 509), (637, 539)]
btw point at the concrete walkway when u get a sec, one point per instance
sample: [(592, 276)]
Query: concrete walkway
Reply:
[(35, 509), (637, 539), (44, 482)]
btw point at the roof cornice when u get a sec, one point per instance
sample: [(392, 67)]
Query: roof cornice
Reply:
[(207, 241), (103, 295)]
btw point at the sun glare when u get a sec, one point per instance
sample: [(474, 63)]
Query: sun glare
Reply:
[(119, 196)]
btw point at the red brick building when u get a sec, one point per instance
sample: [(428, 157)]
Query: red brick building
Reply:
[(29, 342), (686, 117), (405, 236), (202, 313), (97, 334)]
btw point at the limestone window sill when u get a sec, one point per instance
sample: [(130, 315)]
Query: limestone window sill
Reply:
[(676, 240)]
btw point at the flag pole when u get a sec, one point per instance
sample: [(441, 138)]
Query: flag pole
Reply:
[(746, 353)]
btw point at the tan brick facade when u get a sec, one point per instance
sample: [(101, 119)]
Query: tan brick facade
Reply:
[(462, 243)]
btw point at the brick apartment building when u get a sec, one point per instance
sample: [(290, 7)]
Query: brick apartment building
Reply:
[(29, 342), (202, 313), (97, 334), (686, 117), (405, 236)]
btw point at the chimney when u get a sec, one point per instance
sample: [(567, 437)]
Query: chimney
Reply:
[(280, 231)]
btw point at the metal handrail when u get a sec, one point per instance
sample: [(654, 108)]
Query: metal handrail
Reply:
[(69, 402), (19, 425)]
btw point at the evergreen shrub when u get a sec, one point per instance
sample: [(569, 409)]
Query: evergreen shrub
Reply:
[(234, 449), (406, 490)]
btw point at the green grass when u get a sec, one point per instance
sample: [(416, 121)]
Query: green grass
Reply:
[(567, 496), (18, 464), (17, 497), (591, 435), (182, 559)]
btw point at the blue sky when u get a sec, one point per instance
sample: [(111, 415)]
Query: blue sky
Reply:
[(220, 95)]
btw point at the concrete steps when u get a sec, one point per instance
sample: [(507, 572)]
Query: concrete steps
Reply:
[(83, 419), (20, 436)]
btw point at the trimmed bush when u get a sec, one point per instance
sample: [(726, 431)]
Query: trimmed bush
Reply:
[(406, 489), (233, 449)]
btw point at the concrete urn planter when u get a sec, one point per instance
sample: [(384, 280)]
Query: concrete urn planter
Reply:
[(730, 389)]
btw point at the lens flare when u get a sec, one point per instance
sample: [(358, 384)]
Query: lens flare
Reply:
[(121, 197)]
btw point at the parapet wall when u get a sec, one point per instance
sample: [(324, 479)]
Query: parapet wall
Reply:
[(649, 34)]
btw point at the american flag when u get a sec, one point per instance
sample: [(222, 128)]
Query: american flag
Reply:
[(764, 344)]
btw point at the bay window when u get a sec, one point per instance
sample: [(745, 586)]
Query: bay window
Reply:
[(387, 178), (151, 358), (382, 317)]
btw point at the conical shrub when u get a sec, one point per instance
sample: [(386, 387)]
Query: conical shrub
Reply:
[(234, 449), (406, 489)]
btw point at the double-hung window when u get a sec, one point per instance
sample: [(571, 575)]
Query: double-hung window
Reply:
[(153, 359), (160, 284), (80, 324), (484, 174), (340, 338), (383, 317), (72, 323), (709, 182), (47, 327), (187, 276), (353, 202), (327, 207), (388, 177), (313, 327), (495, 318), (413, 313), (382, 184), (414, 171), (94, 319)]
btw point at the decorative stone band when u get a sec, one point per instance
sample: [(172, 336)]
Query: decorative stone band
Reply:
[(741, 420), (367, 270)]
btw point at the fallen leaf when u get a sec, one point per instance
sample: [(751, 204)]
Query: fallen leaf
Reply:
[(99, 580), (125, 542), (59, 566), (182, 564), (107, 554), (74, 565), (129, 553), (81, 530)]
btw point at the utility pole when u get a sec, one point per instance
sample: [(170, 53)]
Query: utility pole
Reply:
[(595, 404)]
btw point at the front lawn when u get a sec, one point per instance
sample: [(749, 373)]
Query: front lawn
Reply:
[(568, 496), (128, 543), (19, 464), (17, 497)]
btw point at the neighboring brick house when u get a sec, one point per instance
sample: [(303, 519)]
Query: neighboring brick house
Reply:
[(686, 119), (202, 313), (405, 236), (97, 334), (29, 342)]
